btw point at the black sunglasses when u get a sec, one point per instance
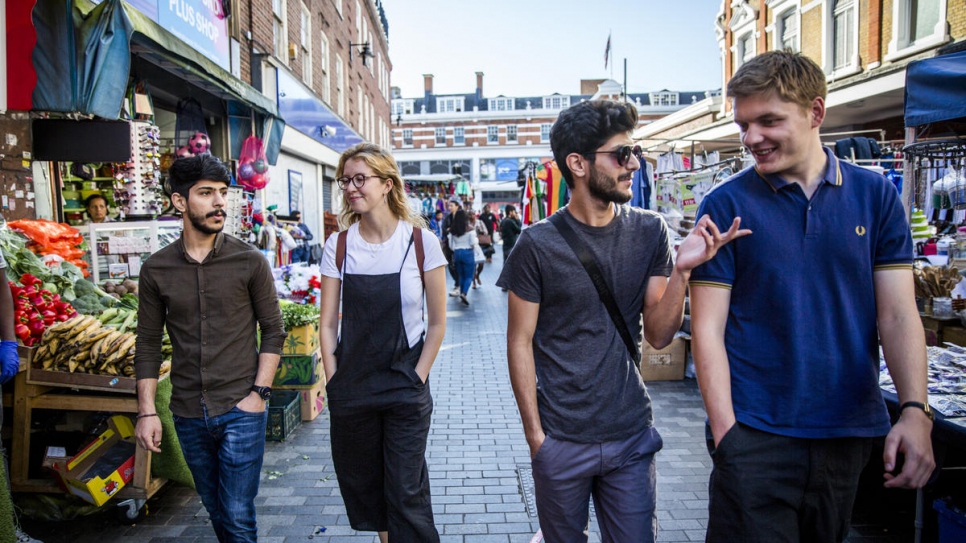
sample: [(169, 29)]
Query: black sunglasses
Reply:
[(624, 153)]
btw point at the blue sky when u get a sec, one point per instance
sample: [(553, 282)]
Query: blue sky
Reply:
[(537, 47)]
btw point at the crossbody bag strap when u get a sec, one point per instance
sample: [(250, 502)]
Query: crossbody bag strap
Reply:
[(590, 265)]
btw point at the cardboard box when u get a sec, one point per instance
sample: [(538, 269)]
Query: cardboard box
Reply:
[(955, 335), (303, 340), (312, 401), (665, 364), (298, 372), (100, 469)]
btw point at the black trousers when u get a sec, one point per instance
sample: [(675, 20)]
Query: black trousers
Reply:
[(770, 488)]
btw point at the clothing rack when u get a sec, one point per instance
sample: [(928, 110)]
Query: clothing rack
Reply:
[(734, 163)]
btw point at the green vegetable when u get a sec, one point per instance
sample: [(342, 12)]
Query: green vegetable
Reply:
[(295, 315)]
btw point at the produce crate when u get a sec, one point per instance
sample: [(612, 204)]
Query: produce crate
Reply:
[(36, 375), (303, 340), (312, 401), (283, 415), (952, 522), (301, 371)]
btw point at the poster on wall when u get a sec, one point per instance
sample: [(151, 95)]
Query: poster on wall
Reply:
[(294, 191)]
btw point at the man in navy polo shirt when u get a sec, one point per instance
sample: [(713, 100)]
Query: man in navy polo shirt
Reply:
[(786, 322)]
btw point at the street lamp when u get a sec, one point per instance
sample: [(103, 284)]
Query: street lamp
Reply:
[(366, 52)]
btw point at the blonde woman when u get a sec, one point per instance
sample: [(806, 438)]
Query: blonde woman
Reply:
[(377, 368)]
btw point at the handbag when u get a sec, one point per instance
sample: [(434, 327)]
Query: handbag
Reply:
[(478, 255), (485, 239), (590, 265)]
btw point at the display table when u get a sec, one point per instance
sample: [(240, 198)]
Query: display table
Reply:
[(27, 397), (939, 330)]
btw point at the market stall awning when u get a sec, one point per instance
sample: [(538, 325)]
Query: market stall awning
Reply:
[(83, 63), (434, 178), (936, 89)]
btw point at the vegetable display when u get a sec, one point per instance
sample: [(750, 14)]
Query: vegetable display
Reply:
[(36, 309), (52, 238), (295, 315)]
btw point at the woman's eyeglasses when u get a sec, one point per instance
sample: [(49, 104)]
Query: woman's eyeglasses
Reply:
[(624, 153), (358, 180)]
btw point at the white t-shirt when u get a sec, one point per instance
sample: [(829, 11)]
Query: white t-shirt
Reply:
[(362, 258)]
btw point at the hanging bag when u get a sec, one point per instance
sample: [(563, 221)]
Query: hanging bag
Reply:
[(252, 164)]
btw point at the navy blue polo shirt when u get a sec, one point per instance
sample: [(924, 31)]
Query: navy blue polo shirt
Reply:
[(801, 334)]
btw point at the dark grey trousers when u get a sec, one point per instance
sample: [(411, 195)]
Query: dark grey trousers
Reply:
[(621, 477), (770, 488)]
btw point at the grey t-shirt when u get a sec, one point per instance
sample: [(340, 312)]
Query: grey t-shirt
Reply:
[(589, 390)]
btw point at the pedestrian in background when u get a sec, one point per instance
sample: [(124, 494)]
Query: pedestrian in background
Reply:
[(452, 205), (492, 226), (589, 423), (436, 224), (510, 228), (462, 240), (213, 293), (302, 236), (377, 363), (476, 224), (786, 325)]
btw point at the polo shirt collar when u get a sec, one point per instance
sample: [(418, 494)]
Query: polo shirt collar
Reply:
[(832, 175), (219, 242)]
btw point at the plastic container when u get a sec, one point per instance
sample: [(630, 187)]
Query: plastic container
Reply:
[(952, 522), (284, 415), (942, 307)]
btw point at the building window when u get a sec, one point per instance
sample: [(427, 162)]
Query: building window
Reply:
[(664, 98), (843, 34), (339, 87), (440, 133), (402, 107), (459, 136), (306, 43), (492, 134), (449, 105), (407, 136), (556, 102), (279, 31), (544, 133), (788, 30), (917, 25), (744, 49), (511, 133), (324, 63), (501, 104), (338, 7)]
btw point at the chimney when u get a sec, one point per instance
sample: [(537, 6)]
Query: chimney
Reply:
[(428, 83), (479, 85)]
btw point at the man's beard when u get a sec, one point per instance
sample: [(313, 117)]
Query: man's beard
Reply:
[(198, 221), (605, 188)]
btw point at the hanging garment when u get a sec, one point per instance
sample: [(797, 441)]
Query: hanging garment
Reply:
[(641, 186)]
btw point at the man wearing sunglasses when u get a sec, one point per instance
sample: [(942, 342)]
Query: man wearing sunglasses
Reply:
[(586, 413)]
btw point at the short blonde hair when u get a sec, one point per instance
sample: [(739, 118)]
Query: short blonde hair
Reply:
[(793, 77), (382, 164)]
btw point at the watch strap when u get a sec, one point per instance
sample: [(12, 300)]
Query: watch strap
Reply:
[(263, 392), (918, 405)]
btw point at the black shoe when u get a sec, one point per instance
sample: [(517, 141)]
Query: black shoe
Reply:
[(464, 300)]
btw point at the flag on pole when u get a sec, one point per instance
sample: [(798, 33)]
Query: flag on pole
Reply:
[(607, 51)]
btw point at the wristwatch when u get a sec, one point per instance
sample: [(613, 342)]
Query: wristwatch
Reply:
[(264, 392), (918, 405)]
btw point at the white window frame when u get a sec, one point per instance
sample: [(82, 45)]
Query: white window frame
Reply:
[(781, 28), (743, 48), (439, 134), (545, 132), (501, 104), (449, 104), (511, 133), (556, 101), (407, 132), (902, 45), (340, 86), (305, 37), (338, 8), (459, 135), (492, 134), (664, 98), (280, 29), (851, 65), (324, 64), (781, 9)]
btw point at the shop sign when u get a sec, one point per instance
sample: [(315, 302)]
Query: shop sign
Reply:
[(507, 169), (304, 112), (199, 23)]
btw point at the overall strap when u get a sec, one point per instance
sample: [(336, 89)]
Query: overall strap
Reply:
[(597, 278), (340, 250), (417, 241)]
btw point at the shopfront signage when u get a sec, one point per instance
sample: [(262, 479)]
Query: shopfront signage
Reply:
[(506, 169), (307, 114)]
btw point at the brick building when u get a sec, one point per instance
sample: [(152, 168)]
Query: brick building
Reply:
[(491, 139), (863, 46)]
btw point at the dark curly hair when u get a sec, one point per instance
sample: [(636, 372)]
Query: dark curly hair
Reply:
[(586, 126), (185, 172)]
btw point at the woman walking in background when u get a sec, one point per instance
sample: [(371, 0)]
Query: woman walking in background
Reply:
[(462, 239), (481, 233), (377, 368)]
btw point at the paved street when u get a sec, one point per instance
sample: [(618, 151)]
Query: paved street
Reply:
[(478, 460)]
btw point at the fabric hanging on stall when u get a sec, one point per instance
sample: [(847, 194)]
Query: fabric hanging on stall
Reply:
[(641, 186), (557, 193), (525, 205)]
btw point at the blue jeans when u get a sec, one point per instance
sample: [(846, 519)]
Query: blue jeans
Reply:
[(465, 267), (224, 454)]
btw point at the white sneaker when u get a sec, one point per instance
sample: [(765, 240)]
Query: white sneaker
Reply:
[(24, 538), (455, 292)]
